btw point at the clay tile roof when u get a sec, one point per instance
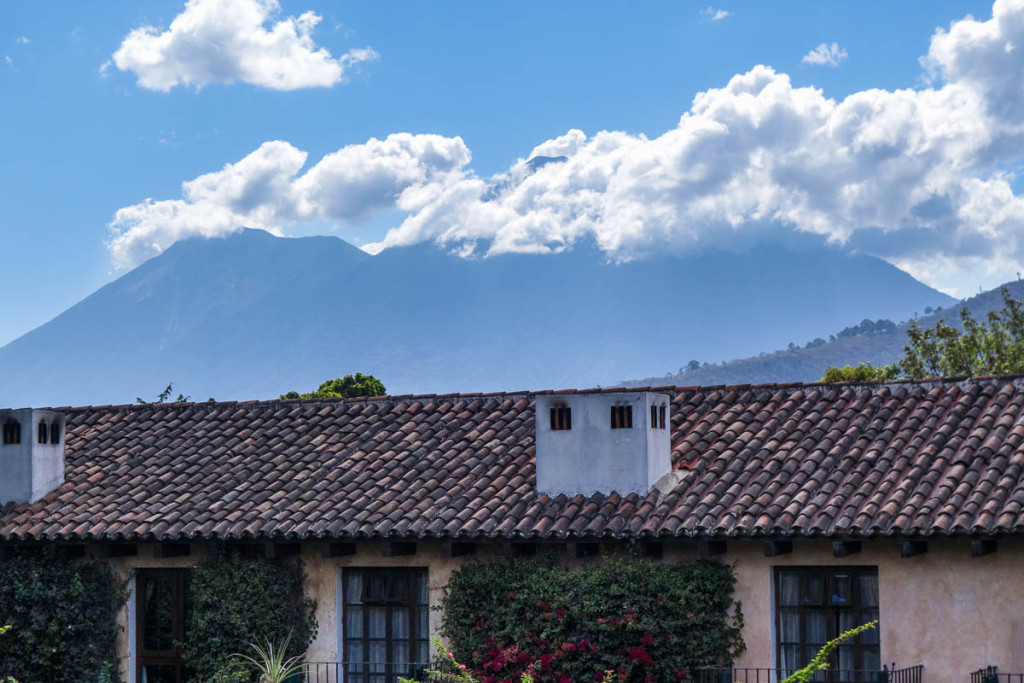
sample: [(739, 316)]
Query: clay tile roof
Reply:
[(872, 459)]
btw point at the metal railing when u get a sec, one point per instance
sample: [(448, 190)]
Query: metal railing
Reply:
[(362, 672), (886, 674), (990, 674)]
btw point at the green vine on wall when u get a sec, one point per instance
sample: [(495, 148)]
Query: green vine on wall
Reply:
[(63, 619), (236, 602), (644, 621)]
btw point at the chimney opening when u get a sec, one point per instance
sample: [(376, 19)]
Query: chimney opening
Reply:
[(43, 432), (561, 418), (12, 432), (55, 432), (661, 416), (622, 417)]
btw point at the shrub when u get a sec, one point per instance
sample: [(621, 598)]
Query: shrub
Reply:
[(644, 621), (63, 618), (237, 601)]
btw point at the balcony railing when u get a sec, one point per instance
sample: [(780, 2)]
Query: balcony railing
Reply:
[(886, 674), (362, 672), (990, 674)]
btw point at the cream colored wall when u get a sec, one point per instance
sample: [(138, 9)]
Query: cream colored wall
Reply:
[(321, 585), (944, 609)]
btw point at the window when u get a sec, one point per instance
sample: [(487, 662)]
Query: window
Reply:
[(386, 624), (55, 432), (813, 606), (43, 432), (12, 432), (622, 417), (561, 418), (160, 605)]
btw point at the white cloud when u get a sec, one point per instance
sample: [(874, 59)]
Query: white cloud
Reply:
[(22, 40), (8, 61), (264, 190), (715, 14), (223, 41), (826, 54), (910, 175)]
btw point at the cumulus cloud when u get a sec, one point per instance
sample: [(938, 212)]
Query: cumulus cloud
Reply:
[(223, 41), (916, 176), (22, 40), (715, 14), (266, 190), (826, 54)]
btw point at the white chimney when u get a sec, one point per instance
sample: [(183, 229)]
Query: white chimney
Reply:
[(31, 454), (602, 442)]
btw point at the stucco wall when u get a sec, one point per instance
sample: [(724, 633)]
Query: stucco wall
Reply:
[(944, 609)]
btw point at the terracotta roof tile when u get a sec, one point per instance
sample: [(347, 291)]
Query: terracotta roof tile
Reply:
[(929, 458)]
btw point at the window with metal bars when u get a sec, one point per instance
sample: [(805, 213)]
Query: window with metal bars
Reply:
[(561, 418), (386, 624), (12, 432), (814, 605), (622, 417)]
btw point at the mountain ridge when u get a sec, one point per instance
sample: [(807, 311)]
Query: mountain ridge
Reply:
[(805, 364), (253, 316)]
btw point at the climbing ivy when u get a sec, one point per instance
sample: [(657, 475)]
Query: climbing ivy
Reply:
[(63, 619), (236, 602)]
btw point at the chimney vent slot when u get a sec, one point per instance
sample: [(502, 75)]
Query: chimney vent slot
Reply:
[(658, 417), (561, 418), (55, 432), (12, 432), (43, 432), (622, 417)]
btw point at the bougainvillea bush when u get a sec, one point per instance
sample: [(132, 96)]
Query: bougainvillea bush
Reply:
[(644, 621)]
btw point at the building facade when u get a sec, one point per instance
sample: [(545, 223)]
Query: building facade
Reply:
[(834, 504)]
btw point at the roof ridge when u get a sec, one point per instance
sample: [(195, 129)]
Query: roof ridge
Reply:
[(983, 380)]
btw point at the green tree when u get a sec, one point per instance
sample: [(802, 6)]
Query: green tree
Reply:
[(349, 386), (993, 346), (865, 372)]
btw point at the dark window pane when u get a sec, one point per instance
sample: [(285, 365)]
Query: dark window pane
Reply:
[(789, 588), (422, 588), (353, 588), (841, 589), (813, 589), (789, 625), (871, 659), (159, 605), (816, 629), (869, 590)]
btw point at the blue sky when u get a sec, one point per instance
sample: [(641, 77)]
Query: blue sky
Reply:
[(494, 81)]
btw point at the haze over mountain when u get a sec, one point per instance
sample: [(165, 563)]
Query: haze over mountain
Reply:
[(808, 363), (252, 316)]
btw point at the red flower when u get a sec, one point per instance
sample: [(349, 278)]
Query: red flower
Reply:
[(647, 640)]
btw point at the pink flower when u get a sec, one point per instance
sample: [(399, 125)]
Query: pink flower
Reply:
[(462, 666)]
